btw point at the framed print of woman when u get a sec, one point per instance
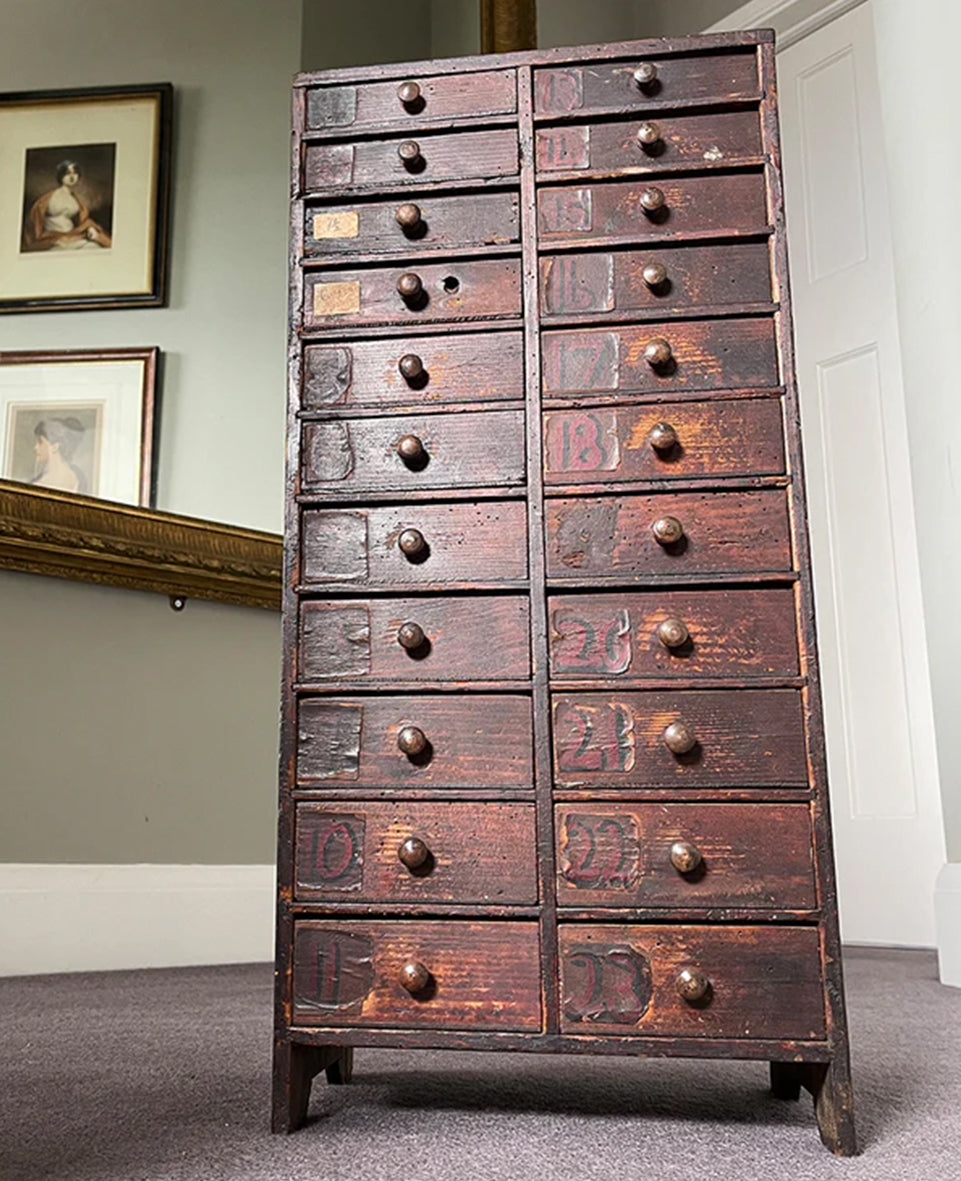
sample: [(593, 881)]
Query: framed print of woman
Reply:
[(60, 219)]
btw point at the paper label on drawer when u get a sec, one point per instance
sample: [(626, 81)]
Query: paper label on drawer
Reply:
[(584, 646), (344, 224), (600, 852), (335, 546), (333, 970), (328, 740), (579, 283), (581, 441), (594, 737), (330, 851), (560, 90), (566, 211), (581, 362), (560, 148), (336, 299), (609, 985), (328, 453)]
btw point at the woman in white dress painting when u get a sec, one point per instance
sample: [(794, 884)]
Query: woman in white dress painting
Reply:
[(59, 220)]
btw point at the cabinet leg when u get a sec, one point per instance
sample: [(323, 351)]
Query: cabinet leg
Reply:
[(786, 1080), (340, 1073), (295, 1066), (830, 1085)]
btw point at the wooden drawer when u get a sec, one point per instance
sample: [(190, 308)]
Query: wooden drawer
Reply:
[(763, 982), (483, 543), (599, 86), (344, 457), (741, 633), (740, 737), (465, 639), (647, 145), (701, 355), (480, 219), (466, 367), (415, 853), (447, 96), (733, 203), (721, 437), (476, 741), (625, 854), (465, 155), (723, 533), (449, 291), (578, 283), (478, 975)]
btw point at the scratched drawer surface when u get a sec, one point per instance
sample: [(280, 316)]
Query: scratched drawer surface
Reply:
[(416, 545), (415, 853), (742, 632), (439, 741), (653, 358), (421, 293), (645, 82), (342, 457), (667, 441), (650, 210), (685, 855), (414, 371), (425, 639), (680, 738), (417, 100), (668, 533), (481, 219), (415, 975), (744, 981), (402, 162), (654, 280)]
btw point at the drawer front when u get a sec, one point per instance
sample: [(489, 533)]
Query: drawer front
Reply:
[(452, 291), (728, 204), (396, 226), (614, 281), (465, 639), (414, 853), (481, 741), (482, 543), (592, 86), (737, 437), (449, 96), (478, 975), (722, 533), (465, 367), (343, 456), (748, 632), (466, 155), (699, 355), (649, 144), (727, 738), (638, 855), (762, 982)]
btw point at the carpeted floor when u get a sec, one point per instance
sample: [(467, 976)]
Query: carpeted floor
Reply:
[(165, 1076)]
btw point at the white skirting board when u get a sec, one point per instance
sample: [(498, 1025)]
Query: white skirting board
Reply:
[(91, 918), (947, 920)]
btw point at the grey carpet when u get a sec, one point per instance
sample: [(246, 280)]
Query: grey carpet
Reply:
[(165, 1076)]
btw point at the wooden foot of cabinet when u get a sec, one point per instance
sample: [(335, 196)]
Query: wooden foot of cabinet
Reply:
[(295, 1067), (786, 1080), (830, 1084)]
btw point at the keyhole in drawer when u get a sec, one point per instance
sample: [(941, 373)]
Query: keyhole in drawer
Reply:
[(451, 284)]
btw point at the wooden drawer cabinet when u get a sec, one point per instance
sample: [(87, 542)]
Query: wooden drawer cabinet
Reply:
[(552, 771)]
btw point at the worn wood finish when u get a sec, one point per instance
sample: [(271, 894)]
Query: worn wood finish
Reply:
[(475, 853), (619, 855), (348, 973)]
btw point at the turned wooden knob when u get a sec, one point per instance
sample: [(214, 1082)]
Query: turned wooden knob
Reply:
[(414, 976), (679, 738), (657, 352), (411, 448), (672, 633), (652, 199), (408, 216), (410, 286), (408, 93), (662, 437), (667, 530), (685, 857), (692, 984), (411, 740), (648, 134), (645, 73), (411, 542), (410, 635), (409, 152), (411, 367), (654, 274), (413, 853)]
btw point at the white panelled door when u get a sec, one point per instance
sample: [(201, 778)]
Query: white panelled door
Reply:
[(878, 716)]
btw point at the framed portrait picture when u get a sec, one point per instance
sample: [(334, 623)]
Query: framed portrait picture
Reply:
[(84, 186), (80, 421)]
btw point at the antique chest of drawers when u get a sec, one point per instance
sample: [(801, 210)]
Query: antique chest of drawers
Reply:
[(552, 769)]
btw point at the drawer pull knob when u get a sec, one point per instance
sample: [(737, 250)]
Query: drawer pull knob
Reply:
[(414, 976), (411, 367), (645, 73), (409, 286), (411, 542), (667, 530), (663, 436), (692, 984), (408, 93), (411, 449), (414, 853), (408, 216), (648, 135), (679, 738), (657, 352), (652, 199), (412, 740), (411, 636), (672, 633), (654, 274), (409, 153), (685, 857)]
